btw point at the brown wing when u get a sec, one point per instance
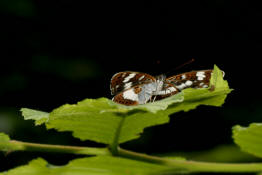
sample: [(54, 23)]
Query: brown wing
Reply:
[(125, 80), (194, 79)]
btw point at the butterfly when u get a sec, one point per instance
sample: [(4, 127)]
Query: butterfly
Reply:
[(134, 88)]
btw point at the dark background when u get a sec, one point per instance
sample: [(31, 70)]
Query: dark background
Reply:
[(57, 52)]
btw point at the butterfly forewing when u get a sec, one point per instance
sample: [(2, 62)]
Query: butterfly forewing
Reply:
[(194, 79), (125, 80)]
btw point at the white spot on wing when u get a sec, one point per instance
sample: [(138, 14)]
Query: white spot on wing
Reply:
[(130, 95), (181, 86), (172, 89), (188, 83), (183, 77), (200, 75), (129, 77), (167, 91), (200, 78), (128, 85), (201, 84), (141, 78)]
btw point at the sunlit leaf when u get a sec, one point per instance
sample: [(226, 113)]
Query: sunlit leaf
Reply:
[(31, 114), (100, 165), (104, 121), (249, 138)]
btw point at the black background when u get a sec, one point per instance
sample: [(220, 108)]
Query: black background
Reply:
[(57, 52)]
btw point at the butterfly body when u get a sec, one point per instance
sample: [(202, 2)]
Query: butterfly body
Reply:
[(134, 88)]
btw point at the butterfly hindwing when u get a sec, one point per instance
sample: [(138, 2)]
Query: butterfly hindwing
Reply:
[(129, 96)]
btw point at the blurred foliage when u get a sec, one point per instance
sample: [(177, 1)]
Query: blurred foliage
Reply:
[(222, 153), (24, 8), (243, 114), (73, 69), (8, 120)]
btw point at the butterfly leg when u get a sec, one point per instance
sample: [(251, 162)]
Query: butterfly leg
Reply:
[(154, 98)]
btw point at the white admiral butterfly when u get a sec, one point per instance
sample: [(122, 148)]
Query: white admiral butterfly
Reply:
[(133, 88)]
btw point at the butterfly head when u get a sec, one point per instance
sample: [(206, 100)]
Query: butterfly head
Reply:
[(160, 80)]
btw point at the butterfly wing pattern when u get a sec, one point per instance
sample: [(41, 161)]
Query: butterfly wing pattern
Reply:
[(134, 88), (194, 79), (129, 86), (124, 80)]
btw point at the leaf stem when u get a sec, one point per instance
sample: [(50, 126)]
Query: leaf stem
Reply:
[(114, 146), (26, 146), (193, 166)]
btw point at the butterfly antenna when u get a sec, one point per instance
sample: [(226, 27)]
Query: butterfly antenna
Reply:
[(182, 65)]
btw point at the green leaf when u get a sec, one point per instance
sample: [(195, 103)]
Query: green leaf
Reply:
[(101, 120), (4, 138), (37, 166), (217, 80), (104, 121), (249, 138), (215, 95), (100, 165), (5, 144), (39, 116)]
